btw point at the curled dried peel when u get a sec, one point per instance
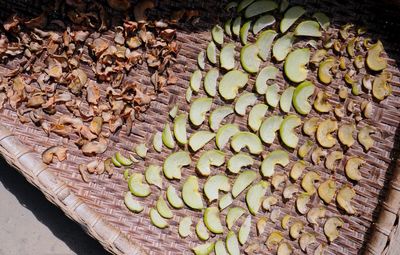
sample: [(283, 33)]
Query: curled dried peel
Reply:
[(352, 168), (321, 103), (344, 197), (308, 182), (364, 137), (327, 190), (331, 228), (345, 134), (324, 133), (332, 159)]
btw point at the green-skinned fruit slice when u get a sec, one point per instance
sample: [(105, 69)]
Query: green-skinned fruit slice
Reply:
[(231, 82), (132, 204), (249, 58), (286, 130), (201, 231), (157, 142), (199, 139), (173, 198), (277, 157), (282, 46), (137, 186), (244, 230), (217, 34), (271, 96), (263, 22), (245, 100), (232, 243), (201, 60), (224, 134), (191, 195), (212, 53), (322, 19), (163, 208), (195, 80), (220, 248), (218, 115), (123, 161), (153, 176), (286, 99), (239, 161), (249, 140), (180, 128), (210, 82), (264, 43), (212, 220), (374, 60), (227, 56), (256, 116), (167, 137), (301, 95), (324, 68), (244, 32), (234, 213), (214, 184), (157, 220), (308, 28), (269, 127), (203, 249), (208, 159), (295, 65), (242, 182), (290, 17), (259, 7), (199, 109), (225, 201), (188, 95), (184, 227), (236, 25), (255, 196), (267, 73), (243, 4), (173, 164)]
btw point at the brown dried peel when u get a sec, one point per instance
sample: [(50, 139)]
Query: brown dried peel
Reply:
[(55, 151)]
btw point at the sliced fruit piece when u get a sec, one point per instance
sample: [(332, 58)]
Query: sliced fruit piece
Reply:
[(272, 96), (332, 159), (248, 140), (301, 203), (188, 95), (296, 229), (374, 60), (277, 157), (167, 137), (255, 196), (278, 179), (212, 220), (212, 53), (249, 58), (218, 115), (201, 231), (132, 204), (195, 80), (157, 141), (295, 65), (344, 197), (345, 134), (321, 103), (308, 28), (199, 109), (231, 82), (239, 161), (282, 46), (137, 186), (204, 249), (305, 149), (210, 82), (224, 134), (190, 193), (273, 239), (232, 243), (269, 127), (317, 155), (157, 220), (217, 34), (364, 137), (310, 126), (322, 19), (208, 159), (284, 249), (180, 128), (315, 213), (236, 25), (256, 116), (320, 249), (305, 240), (380, 88), (289, 190), (324, 133), (184, 227), (220, 248), (267, 73), (318, 56), (233, 215), (227, 56), (228, 27), (201, 60), (297, 170), (173, 112), (243, 4), (352, 168), (308, 182), (174, 162), (163, 208), (199, 139), (124, 161), (286, 221), (286, 99), (290, 17), (268, 202), (244, 32), (367, 109), (173, 198), (153, 176), (244, 230), (350, 47), (225, 201), (245, 100), (331, 228), (141, 150), (261, 225), (287, 130), (301, 95), (264, 43), (263, 22), (259, 7), (243, 181), (214, 184)]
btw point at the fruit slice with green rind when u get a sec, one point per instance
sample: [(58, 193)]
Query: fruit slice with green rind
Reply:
[(234, 213), (214, 184), (208, 159), (153, 175), (184, 227), (374, 61), (267, 73), (212, 53), (173, 164), (173, 198), (191, 195), (282, 46), (259, 7), (224, 134), (132, 204), (199, 139), (308, 28), (212, 220), (322, 19), (210, 82), (243, 4), (201, 60), (264, 43), (249, 140), (218, 34), (220, 248), (231, 82), (243, 181), (263, 22), (290, 17), (244, 230), (244, 32), (269, 127), (218, 115), (256, 116), (201, 231), (232, 243), (157, 220), (227, 27), (227, 56), (124, 161), (199, 109), (286, 131), (203, 249), (236, 25), (324, 68), (255, 196), (195, 80), (157, 141), (245, 100), (163, 208), (295, 65), (225, 201), (180, 128), (301, 95), (272, 96), (137, 186), (249, 58), (286, 99), (188, 94), (277, 157), (238, 161), (167, 137)]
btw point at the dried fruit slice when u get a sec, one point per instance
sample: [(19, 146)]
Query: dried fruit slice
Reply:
[(210, 82), (218, 115), (190, 193), (174, 111), (268, 202), (204, 249), (212, 53), (201, 60), (308, 28), (225, 133), (290, 17), (244, 230), (308, 182), (367, 109), (238, 161), (199, 109), (332, 158), (273, 239), (264, 43), (272, 96), (247, 139), (153, 175), (324, 133), (317, 155), (208, 159), (321, 103), (137, 186), (318, 56), (167, 137), (227, 56), (249, 58), (364, 137), (214, 184), (277, 180), (327, 190), (201, 231), (259, 7), (231, 82), (305, 240), (289, 190), (157, 220), (301, 203), (344, 197), (195, 80), (352, 168), (232, 243), (310, 126), (261, 225), (301, 95), (305, 149), (297, 170), (243, 181), (245, 100), (157, 141), (374, 60), (284, 249), (255, 196), (296, 229), (174, 162), (287, 130), (380, 88), (244, 32), (286, 221), (225, 201), (233, 215), (320, 249), (163, 208), (236, 25), (199, 139), (256, 116), (141, 150), (220, 248), (217, 34), (184, 227), (173, 198), (180, 128), (315, 213), (345, 134), (279, 157), (322, 19), (286, 99), (282, 46), (269, 127), (295, 65), (331, 228), (132, 204), (212, 220), (188, 94)]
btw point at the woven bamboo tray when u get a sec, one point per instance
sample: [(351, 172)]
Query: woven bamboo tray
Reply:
[(98, 206)]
